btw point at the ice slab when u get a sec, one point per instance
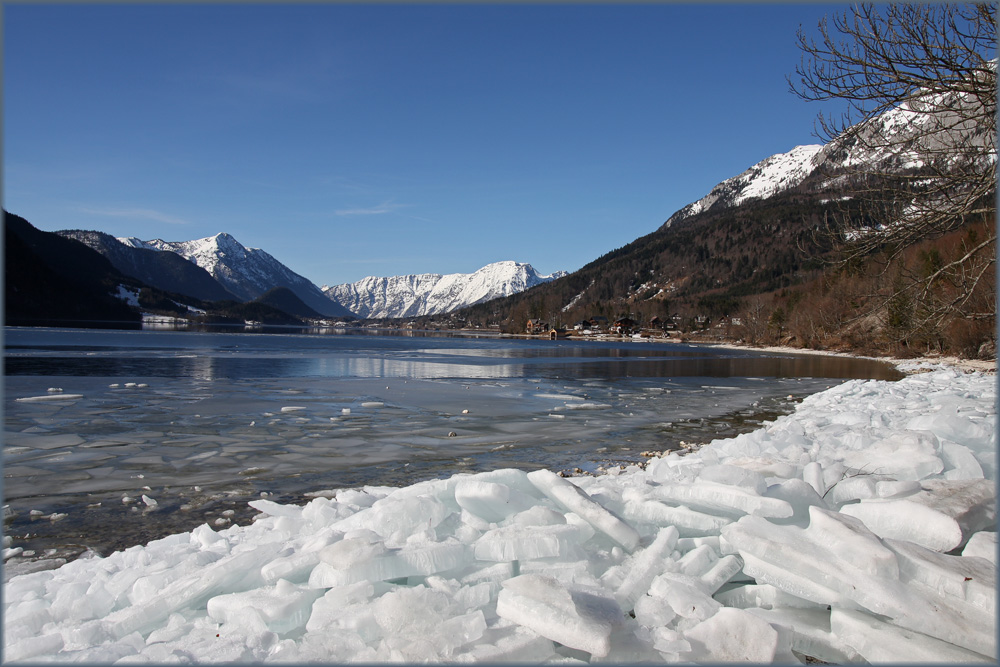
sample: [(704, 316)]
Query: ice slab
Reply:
[(811, 634), (713, 497), (632, 579), (940, 517), (966, 578), (283, 607), (877, 641), (491, 501), (575, 617), (982, 545), (576, 500), (356, 560), (903, 455), (763, 596), (520, 542), (735, 635), (49, 398), (689, 522)]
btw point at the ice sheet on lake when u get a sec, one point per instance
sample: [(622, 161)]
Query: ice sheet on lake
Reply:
[(779, 545)]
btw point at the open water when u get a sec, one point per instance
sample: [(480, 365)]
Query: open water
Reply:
[(201, 422)]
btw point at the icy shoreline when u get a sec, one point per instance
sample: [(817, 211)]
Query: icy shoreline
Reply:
[(861, 527)]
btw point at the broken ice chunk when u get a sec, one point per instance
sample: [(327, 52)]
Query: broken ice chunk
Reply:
[(516, 645), (575, 499), (957, 428), (653, 612), (575, 617), (892, 488), (836, 561), (490, 500), (49, 398), (685, 544), (810, 633), (283, 607), (850, 489), (272, 508), (518, 542), (808, 563), (731, 500), (191, 589), (634, 576), (982, 545), (731, 475), (969, 579), (904, 455), (939, 517), (735, 635), (420, 618), (907, 520), (41, 645), (763, 596), (689, 522), (960, 462), (340, 566), (720, 572), (877, 641), (812, 474), (346, 610), (697, 561), (800, 495), (398, 514), (685, 595)]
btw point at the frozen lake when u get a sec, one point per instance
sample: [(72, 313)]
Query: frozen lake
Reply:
[(200, 423)]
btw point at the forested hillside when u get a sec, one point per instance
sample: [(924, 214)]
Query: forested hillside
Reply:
[(767, 271)]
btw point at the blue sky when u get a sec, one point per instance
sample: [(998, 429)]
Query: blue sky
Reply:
[(354, 140)]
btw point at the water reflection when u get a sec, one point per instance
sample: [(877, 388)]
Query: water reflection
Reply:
[(417, 364)]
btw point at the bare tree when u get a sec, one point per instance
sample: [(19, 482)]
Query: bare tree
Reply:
[(917, 145), (753, 320)]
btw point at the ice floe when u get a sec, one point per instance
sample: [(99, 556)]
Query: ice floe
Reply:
[(860, 528)]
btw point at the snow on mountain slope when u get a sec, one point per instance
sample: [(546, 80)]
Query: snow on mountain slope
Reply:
[(766, 178), (246, 272), (933, 128), (432, 293), (165, 270)]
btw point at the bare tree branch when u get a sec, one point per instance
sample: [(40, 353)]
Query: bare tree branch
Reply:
[(916, 149)]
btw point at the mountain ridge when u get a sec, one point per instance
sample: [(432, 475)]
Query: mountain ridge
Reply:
[(165, 270), (418, 295), (248, 273)]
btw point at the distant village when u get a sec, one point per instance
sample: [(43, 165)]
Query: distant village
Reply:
[(656, 327)]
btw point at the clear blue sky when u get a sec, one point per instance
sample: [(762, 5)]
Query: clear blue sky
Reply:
[(356, 140)]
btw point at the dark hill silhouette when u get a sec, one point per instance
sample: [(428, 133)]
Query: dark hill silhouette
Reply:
[(52, 280), (287, 301)]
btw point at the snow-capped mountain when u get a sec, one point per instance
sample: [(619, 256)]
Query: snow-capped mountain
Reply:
[(766, 178), (433, 293), (904, 139), (246, 272), (165, 270)]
